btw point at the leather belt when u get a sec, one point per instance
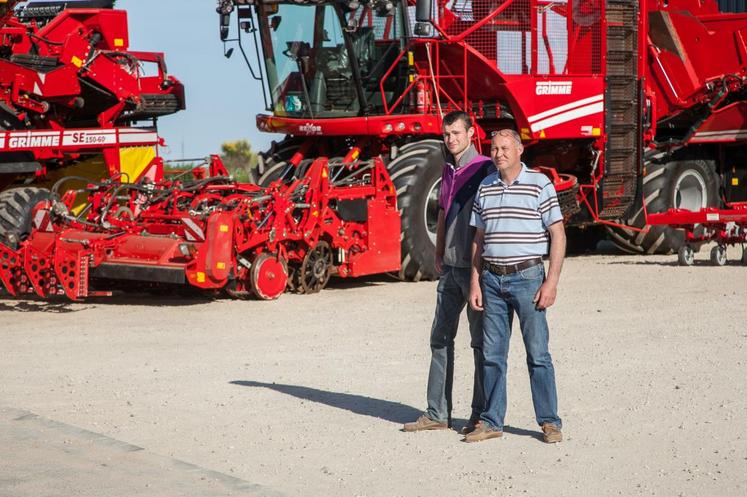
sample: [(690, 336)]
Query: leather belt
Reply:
[(504, 269)]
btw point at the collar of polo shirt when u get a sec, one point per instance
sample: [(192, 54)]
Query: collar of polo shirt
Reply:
[(469, 154), (519, 178)]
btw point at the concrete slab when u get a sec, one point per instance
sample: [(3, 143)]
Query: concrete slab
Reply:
[(40, 457)]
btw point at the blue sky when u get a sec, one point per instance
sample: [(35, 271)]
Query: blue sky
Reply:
[(222, 98)]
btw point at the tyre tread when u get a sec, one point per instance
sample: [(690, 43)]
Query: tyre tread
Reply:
[(657, 186), (16, 206)]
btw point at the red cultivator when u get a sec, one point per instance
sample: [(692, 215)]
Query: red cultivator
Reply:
[(209, 232), (723, 226)]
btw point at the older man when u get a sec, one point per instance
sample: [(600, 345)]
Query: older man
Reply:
[(462, 174), (516, 214)]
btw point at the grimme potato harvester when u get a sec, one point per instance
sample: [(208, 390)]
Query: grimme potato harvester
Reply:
[(70, 88)]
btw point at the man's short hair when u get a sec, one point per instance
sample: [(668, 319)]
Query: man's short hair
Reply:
[(507, 132), (457, 115)]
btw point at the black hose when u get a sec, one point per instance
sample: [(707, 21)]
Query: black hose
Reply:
[(126, 186), (198, 184), (60, 181)]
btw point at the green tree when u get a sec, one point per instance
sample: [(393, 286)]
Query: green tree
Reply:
[(238, 158)]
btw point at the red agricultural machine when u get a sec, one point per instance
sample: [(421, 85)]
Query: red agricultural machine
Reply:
[(206, 231), (631, 107), (71, 71)]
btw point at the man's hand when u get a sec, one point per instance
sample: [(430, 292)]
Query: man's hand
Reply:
[(549, 290), (475, 297), (475, 292), (440, 240), (546, 295)]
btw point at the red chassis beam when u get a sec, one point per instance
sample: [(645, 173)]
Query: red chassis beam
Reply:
[(725, 226), (711, 215)]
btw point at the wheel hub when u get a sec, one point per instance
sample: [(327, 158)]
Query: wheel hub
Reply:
[(319, 268), (269, 276), (315, 270), (690, 192), (431, 210)]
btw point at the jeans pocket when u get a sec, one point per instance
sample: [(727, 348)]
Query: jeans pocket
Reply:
[(533, 273)]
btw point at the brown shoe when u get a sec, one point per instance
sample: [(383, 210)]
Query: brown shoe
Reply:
[(425, 423), (552, 433), (470, 426), (482, 432)]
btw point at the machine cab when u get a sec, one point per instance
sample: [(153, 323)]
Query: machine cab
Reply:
[(330, 59)]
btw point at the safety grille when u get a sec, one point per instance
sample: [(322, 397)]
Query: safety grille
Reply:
[(567, 38)]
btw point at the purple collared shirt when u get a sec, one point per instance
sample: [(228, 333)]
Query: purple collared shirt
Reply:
[(456, 198), (454, 178)]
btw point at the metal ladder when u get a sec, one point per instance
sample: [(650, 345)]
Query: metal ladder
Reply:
[(622, 109)]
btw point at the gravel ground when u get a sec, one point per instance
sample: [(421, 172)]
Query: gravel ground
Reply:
[(306, 395)]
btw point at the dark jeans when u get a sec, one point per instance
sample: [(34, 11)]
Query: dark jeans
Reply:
[(502, 297), (452, 297)]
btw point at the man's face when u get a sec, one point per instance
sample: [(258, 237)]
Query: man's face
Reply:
[(505, 152), (457, 137)]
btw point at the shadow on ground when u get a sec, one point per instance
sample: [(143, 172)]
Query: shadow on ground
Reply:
[(387, 410), (61, 305), (673, 263), (511, 430), (394, 412), (11, 305), (363, 281), (647, 263)]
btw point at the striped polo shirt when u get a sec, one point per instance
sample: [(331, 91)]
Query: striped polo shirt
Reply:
[(515, 217)]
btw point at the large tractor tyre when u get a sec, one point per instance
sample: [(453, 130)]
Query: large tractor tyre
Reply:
[(690, 184), (16, 210), (416, 174), (272, 163)]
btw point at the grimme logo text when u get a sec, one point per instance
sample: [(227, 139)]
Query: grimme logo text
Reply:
[(554, 87)]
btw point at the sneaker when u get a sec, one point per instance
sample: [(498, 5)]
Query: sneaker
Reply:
[(470, 426), (425, 423), (482, 431), (552, 433)]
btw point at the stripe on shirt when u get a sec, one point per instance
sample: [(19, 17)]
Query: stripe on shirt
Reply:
[(516, 237), (548, 204), (529, 190), (516, 217), (509, 213)]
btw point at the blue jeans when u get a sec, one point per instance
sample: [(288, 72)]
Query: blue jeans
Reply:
[(452, 297), (503, 296)]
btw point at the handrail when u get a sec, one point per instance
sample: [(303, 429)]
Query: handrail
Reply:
[(384, 78), (486, 20)]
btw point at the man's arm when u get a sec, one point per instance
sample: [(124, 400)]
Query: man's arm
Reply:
[(548, 291), (440, 240), (475, 292)]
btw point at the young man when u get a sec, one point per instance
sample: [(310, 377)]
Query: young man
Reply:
[(462, 174), (516, 214)]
